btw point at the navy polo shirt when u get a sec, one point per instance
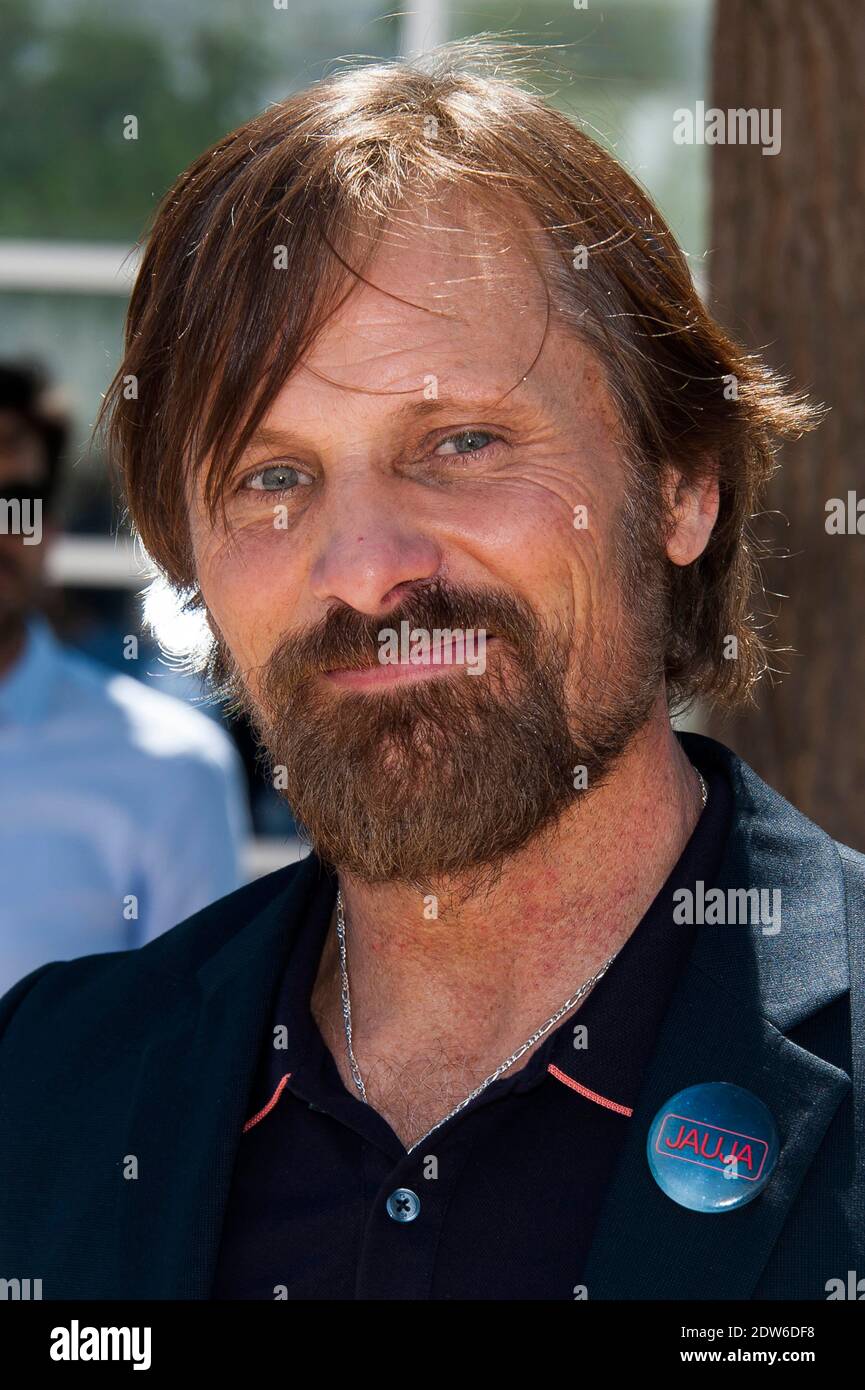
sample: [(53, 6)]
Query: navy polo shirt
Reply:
[(509, 1190)]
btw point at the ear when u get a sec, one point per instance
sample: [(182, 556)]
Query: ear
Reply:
[(693, 509)]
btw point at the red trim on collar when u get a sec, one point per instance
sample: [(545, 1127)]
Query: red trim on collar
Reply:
[(590, 1095), (265, 1109)]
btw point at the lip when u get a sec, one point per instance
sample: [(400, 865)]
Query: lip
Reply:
[(398, 673)]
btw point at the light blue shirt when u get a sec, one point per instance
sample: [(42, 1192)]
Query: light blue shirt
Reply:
[(122, 810)]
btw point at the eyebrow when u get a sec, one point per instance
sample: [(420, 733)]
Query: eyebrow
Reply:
[(411, 410)]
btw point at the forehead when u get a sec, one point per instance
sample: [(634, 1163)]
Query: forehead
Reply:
[(456, 303)]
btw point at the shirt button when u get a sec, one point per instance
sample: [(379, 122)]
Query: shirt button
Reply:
[(403, 1204)]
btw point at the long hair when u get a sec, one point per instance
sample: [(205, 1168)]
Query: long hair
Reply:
[(264, 235)]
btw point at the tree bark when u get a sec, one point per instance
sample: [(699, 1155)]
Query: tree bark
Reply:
[(786, 273)]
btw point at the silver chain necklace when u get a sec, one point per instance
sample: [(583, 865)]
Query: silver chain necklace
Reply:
[(509, 1061)]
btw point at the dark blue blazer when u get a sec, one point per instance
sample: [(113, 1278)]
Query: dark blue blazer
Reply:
[(152, 1053)]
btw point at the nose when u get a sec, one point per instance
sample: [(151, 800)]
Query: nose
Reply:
[(371, 546)]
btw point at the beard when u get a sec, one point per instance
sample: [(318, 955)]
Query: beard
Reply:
[(444, 778)]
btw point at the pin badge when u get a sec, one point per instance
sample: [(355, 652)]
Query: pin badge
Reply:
[(712, 1147)]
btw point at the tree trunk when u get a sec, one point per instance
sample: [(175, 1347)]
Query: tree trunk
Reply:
[(787, 271)]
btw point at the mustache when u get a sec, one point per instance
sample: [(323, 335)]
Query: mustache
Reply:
[(348, 640)]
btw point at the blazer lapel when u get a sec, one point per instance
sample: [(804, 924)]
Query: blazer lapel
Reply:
[(741, 988), (189, 1103), (646, 1245)]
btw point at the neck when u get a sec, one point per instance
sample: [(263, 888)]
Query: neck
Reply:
[(476, 970)]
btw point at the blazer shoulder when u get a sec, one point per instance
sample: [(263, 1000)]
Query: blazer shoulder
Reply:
[(853, 871), (853, 862), (14, 996), (193, 941)]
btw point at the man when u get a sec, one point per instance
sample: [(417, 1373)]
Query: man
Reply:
[(122, 809), (434, 434)]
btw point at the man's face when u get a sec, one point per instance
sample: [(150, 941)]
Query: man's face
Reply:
[(23, 466), (424, 466)]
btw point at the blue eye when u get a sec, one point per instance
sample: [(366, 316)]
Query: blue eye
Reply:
[(276, 477), (483, 435)]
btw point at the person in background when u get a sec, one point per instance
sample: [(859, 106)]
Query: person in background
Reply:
[(122, 810)]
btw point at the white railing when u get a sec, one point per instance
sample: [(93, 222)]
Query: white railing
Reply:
[(68, 266), (95, 562)]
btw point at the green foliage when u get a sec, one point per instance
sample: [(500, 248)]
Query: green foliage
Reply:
[(66, 169)]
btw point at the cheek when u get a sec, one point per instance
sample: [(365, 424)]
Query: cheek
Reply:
[(546, 535), (248, 588)]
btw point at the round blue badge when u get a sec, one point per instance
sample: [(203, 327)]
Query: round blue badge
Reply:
[(712, 1147)]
